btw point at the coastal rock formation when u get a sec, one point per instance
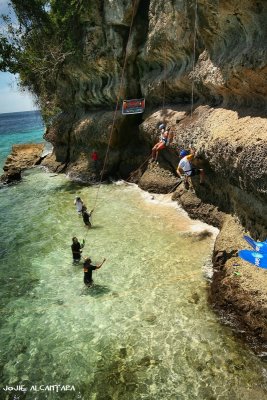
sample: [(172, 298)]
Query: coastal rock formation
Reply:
[(23, 156), (75, 137), (202, 67), (11, 176), (232, 148), (220, 45), (171, 52), (238, 290)]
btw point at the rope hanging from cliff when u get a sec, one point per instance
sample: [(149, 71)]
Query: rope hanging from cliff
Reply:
[(164, 77), (194, 60), (117, 104)]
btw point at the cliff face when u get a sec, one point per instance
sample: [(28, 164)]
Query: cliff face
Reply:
[(171, 52), (213, 52), (226, 40), (202, 67)]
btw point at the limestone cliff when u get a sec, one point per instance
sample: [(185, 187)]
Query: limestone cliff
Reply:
[(202, 67), (217, 48), (225, 39)]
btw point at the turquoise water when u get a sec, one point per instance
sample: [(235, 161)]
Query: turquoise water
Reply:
[(144, 331), (17, 128)]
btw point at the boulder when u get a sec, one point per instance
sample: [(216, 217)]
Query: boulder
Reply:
[(23, 156)]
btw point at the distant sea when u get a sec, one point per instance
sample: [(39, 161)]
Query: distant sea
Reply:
[(19, 127)]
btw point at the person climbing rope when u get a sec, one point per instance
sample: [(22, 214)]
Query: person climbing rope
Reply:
[(186, 169), (79, 204), (86, 216), (88, 269), (164, 141), (162, 128), (76, 249)]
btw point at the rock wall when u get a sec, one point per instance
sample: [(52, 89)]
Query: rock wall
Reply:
[(201, 65), (219, 44), (171, 52), (232, 147)]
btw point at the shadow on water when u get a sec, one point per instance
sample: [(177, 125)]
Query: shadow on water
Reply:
[(97, 227), (76, 187), (95, 291)]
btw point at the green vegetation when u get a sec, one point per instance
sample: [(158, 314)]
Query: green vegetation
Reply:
[(45, 39)]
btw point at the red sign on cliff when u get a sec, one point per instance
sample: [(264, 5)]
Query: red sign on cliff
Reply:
[(134, 106)]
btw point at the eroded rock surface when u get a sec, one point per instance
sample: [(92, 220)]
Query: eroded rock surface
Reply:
[(23, 156), (220, 44)]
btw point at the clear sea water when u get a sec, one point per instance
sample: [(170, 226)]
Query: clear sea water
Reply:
[(144, 331), (17, 128)]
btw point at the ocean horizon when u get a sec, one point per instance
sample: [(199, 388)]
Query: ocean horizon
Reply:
[(17, 112)]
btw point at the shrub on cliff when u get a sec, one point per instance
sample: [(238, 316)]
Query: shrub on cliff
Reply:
[(38, 43)]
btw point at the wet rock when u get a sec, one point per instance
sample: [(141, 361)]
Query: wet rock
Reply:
[(23, 156), (11, 176), (157, 180)]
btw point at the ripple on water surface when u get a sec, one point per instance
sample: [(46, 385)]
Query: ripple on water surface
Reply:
[(144, 331)]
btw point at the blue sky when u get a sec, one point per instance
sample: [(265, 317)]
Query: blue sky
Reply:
[(11, 99)]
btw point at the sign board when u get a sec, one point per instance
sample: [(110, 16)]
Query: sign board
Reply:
[(134, 106)]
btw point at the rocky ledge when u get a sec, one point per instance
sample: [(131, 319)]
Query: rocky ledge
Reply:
[(238, 290), (232, 148), (23, 156)]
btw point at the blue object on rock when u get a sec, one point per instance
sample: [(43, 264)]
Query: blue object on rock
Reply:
[(254, 257), (258, 246)]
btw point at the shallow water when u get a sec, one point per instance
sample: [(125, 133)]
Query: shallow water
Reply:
[(144, 331)]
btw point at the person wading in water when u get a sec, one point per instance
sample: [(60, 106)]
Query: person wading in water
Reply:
[(88, 269), (78, 203), (86, 216), (76, 249)]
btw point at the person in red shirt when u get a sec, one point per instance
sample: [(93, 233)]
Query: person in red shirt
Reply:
[(95, 160)]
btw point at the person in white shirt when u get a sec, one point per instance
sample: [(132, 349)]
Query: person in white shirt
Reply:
[(79, 204), (186, 168), (165, 139)]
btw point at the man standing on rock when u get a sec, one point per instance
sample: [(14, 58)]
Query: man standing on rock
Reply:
[(186, 169)]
